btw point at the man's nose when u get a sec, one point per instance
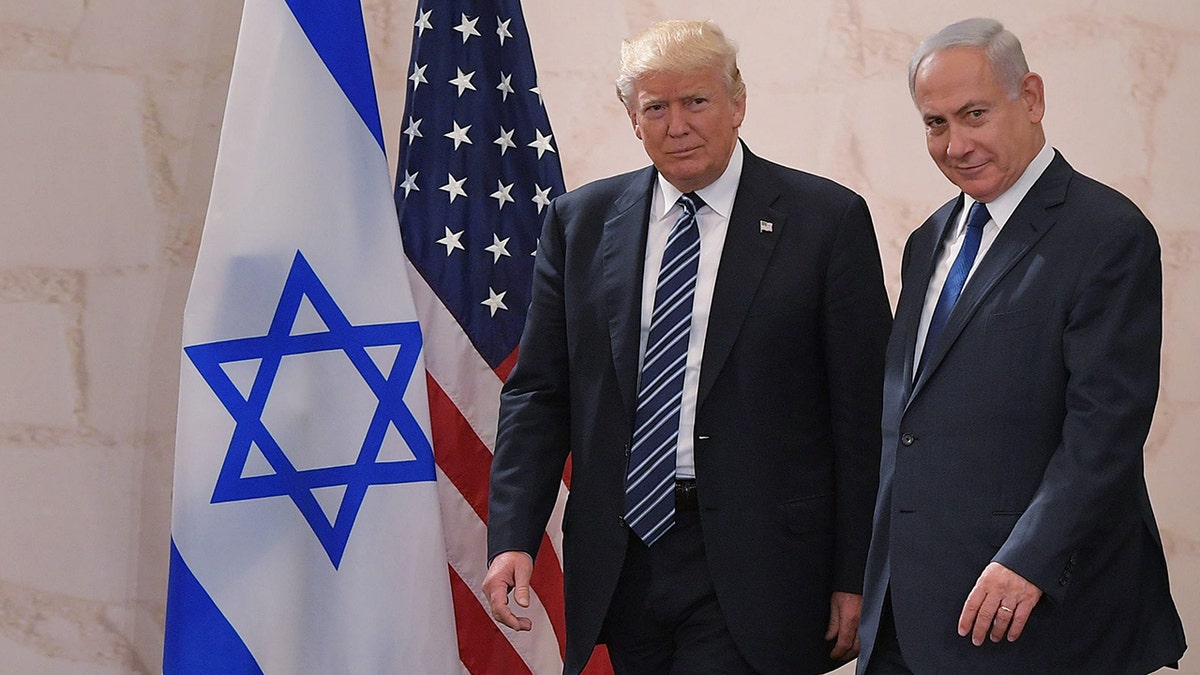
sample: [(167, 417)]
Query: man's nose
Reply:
[(959, 142), (677, 124)]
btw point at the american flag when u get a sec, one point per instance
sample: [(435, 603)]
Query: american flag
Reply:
[(478, 165)]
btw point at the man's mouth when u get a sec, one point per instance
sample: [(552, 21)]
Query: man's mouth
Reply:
[(972, 168)]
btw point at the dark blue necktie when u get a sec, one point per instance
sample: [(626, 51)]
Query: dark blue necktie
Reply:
[(957, 277), (650, 483)]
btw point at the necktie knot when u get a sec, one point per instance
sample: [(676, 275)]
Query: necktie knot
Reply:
[(691, 202), (978, 216)]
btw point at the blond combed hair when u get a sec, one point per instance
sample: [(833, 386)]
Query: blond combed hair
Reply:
[(678, 47)]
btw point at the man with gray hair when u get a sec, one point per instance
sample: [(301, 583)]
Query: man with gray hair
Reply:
[(1013, 530), (706, 342)]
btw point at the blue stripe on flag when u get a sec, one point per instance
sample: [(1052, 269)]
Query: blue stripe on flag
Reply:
[(199, 639), (339, 37)]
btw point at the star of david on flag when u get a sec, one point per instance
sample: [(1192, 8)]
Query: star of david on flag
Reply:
[(251, 432)]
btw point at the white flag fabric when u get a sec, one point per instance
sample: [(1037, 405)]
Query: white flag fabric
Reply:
[(306, 533)]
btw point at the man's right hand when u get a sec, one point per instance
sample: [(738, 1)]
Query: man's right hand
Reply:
[(509, 571)]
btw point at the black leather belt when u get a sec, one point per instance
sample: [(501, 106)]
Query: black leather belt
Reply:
[(685, 495)]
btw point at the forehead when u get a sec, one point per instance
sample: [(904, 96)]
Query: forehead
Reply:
[(667, 85), (954, 76)]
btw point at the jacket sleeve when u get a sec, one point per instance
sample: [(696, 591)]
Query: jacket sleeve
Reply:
[(856, 322), (533, 435), (1110, 351)]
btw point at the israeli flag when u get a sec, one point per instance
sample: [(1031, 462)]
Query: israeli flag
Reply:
[(306, 534)]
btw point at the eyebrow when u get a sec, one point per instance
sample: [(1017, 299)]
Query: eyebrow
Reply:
[(964, 108), (970, 105)]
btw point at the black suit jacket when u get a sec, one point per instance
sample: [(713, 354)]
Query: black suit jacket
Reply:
[(786, 444), (1021, 443)]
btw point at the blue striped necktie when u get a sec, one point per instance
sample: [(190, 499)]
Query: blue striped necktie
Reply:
[(957, 278), (650, 484)]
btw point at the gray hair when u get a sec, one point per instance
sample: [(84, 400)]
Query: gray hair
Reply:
[(1002, 48), (678, 47)]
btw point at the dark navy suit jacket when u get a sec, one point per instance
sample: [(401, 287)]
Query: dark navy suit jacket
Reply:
[(786, 433), (1022, 442)]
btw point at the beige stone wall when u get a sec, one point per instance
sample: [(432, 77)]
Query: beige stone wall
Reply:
[(109, 119)]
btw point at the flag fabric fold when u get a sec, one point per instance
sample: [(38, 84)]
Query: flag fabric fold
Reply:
[(478, 166), (306, 529)]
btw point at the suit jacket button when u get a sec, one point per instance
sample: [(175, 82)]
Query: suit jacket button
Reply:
[(621, 520), (907, 439)]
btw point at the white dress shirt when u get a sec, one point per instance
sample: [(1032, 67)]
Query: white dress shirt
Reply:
[(713, 221), (1000, 209)]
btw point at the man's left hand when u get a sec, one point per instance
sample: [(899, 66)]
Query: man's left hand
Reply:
[(999, 604), (845, 609)]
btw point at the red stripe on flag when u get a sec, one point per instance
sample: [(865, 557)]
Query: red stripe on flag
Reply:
[(507, 365), (457, 449), (481, 645), (547, 582), (600, 663), (567, 473)]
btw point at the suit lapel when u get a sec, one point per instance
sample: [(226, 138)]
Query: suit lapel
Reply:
[(1029, 223), (624, 253), (744, 259)]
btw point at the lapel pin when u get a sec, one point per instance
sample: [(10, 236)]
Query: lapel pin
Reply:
[(766, 226)]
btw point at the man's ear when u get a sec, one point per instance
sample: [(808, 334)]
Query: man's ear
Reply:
[(739, 111), (1033, 94)]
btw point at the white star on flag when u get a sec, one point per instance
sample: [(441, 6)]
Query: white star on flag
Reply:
[(413, 130), (410, 182), (455, 187), (542, 143), (499, 248), (502, 195), (495, 301), (505, 86), (505, 140), (541, 197), (463, 81), (502, 29), (418, 76), (459, 135), (467, 28), (452, 241), (423, 23)]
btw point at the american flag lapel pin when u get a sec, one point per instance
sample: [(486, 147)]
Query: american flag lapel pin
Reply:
[(766, 226)]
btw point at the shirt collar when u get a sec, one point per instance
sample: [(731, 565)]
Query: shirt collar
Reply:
[(718, 195)]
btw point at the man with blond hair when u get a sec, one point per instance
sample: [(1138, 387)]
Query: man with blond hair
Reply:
[(1013, 532), (706, 342)]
